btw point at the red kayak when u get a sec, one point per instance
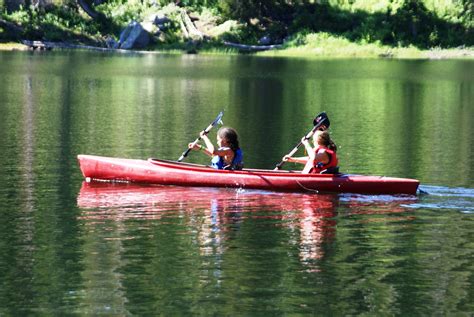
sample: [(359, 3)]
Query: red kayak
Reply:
[(163, 172)]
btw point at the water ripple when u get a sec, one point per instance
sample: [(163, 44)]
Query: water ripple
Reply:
[(445, 198)]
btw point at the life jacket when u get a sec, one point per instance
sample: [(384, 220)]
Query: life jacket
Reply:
[(317, 167), (217, 161)]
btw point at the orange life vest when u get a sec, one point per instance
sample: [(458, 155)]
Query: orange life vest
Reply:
[(319, 166)]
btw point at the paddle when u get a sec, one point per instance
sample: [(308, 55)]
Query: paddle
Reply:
[(205, 131), (318, 121)]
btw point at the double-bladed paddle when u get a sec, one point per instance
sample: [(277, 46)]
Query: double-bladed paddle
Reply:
[(205, 131), (319, 120)]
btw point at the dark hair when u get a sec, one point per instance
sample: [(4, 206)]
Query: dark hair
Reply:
[(325, 139), (231, 136)]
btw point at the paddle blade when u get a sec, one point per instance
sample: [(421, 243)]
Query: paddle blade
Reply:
[(185, 153), (218, 119), (322, 119)]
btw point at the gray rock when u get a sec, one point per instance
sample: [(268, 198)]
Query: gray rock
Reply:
[(134, 36), (266, 40), (161, 20), (111, 43)]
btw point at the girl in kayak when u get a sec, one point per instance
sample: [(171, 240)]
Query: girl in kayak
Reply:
[(320, 158), (228, 155)]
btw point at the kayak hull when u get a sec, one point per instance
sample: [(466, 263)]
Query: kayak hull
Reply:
[(163, 172)]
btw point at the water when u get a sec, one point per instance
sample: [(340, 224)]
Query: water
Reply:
[(120, 249)]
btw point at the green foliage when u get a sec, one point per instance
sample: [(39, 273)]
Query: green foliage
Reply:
[(54, 24), (189, 3), (123, 12), (397, 23), (264, 10), (402, 23)]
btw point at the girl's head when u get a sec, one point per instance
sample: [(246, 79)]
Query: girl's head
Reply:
[(228, 137), (323, 138)]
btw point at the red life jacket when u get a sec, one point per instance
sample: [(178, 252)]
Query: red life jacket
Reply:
[(319, 166)]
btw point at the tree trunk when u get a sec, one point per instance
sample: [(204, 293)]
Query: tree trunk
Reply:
[(90, 10)]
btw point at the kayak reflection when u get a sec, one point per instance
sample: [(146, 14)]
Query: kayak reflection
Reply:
[(214, 213), (155, 201), (214, 216)]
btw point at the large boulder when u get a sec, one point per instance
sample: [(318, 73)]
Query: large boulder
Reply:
[(134, 36)]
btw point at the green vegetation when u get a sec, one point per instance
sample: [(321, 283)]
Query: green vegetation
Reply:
[(322, 28), (53, 23), (306, 44)]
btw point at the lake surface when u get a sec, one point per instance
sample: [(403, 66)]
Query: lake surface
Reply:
[(70, 247)]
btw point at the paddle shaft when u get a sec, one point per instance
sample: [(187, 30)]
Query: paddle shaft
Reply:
[(307, 137), (205, 131)]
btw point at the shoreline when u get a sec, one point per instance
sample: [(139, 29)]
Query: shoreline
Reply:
[(356, 51)]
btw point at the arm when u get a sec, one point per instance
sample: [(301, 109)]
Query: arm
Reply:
[(309, 149), (300, 160), (209, 145), (211, 151), (224, 152), (198, 147)]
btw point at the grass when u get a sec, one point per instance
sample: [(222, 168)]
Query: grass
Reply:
[(325, 50), (319, 46), (324, 45), (12, 47)]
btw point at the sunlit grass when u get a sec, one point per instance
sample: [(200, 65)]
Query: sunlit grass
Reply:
[(324, 45), (12, 46)]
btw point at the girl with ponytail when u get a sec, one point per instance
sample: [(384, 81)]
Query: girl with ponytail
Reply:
[(322, 158)]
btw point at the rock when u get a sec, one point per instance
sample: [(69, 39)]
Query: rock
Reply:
[(161, 20), (134, 36), (111, 43), (151, 28), (157, 19), (266, 40)]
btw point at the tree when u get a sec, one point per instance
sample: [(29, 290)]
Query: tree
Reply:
[(88, 7), (246, 10)]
